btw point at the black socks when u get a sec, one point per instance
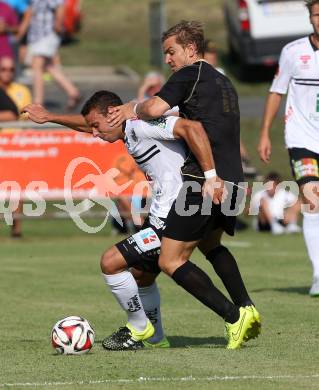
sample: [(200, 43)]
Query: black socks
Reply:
[(198, 284), (226, 268)]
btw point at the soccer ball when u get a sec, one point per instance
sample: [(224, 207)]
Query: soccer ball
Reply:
[(72, 336)]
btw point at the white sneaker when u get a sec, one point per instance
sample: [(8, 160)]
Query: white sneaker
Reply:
[(276, 228), (314, 290), (293, 228)]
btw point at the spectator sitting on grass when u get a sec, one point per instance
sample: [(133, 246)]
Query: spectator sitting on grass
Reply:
[(278, 209)]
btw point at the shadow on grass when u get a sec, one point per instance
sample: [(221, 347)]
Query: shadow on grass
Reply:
[(185, 341), (290, 290)]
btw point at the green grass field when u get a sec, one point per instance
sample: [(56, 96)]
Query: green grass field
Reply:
[(54, 272)]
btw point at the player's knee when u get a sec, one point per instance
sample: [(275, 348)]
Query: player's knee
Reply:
[(169, 265), (108, 262)]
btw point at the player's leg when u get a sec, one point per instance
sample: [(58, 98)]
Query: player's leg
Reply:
[(225, 267), (151, 301), (305, 168), (310, 198), (238, 320), (124, 288)]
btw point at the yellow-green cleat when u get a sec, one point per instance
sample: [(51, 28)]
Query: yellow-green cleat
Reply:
[(255, 330), (237, 332), (164, 343), (145, 334)]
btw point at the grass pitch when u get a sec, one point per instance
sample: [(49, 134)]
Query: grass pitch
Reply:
[(54, 272)]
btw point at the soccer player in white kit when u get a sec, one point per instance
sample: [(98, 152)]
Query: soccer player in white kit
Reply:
[(298, 73)]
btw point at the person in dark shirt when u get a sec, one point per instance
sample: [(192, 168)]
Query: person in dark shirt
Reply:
[(203, 94), (8, 109)]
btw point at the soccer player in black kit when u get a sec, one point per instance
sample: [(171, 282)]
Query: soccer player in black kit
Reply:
[(203, 94)]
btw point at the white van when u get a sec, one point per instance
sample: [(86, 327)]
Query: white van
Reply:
[(258, 29)]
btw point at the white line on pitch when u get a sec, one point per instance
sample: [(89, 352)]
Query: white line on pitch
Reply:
[(163, 379)]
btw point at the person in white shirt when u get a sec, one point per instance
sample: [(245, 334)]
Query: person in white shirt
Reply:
[(278, 209), (298, 73)]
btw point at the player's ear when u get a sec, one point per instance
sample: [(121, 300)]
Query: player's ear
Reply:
[(191, 49)]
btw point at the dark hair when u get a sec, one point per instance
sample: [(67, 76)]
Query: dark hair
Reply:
[(100, 101), (187, 32), (310, 3), (273, 176)]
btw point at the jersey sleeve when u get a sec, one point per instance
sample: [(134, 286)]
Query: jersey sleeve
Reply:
[(178, 87), (282, 79), (161, 128)]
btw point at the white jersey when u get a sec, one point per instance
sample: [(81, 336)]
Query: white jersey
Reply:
[(299, 70), (160, 157), (277, 203)]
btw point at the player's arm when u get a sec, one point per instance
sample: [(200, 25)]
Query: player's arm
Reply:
[(197, 140), (39, 114), (149, 109), (271, 109)]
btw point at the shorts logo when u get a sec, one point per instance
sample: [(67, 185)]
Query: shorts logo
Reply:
[(147, 240), (148, 237), (306, 167)]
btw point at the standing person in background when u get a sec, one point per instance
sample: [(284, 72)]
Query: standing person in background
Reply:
[(298, 73), (18, 95), (44, 22), (8, 26), (20, 43)]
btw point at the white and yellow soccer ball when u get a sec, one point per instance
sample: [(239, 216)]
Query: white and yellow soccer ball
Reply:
[(72, 336)]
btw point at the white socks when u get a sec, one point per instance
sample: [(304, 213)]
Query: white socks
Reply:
[(125, 290), (150, 298), (311, 235)]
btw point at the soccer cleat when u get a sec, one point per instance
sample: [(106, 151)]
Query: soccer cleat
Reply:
[(254, 331), (277, 228), (292, 228), (237, 332), (314, 290), (128, 338), (164, 343)]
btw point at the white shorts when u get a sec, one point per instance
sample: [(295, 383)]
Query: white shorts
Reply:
[(46, 46)]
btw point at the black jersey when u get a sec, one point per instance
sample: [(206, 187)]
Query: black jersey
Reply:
[(205, 95)]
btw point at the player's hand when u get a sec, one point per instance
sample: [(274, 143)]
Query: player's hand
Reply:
[(118, 115), (36, 113), (264, 149), (215, 189)]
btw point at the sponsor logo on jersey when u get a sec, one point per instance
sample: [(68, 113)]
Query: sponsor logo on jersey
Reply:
[(160, 122), (306, 167), (305, 58)]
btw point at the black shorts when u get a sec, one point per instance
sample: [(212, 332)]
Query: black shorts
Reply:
[(204, 217), (304, 164), (141, 250)]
